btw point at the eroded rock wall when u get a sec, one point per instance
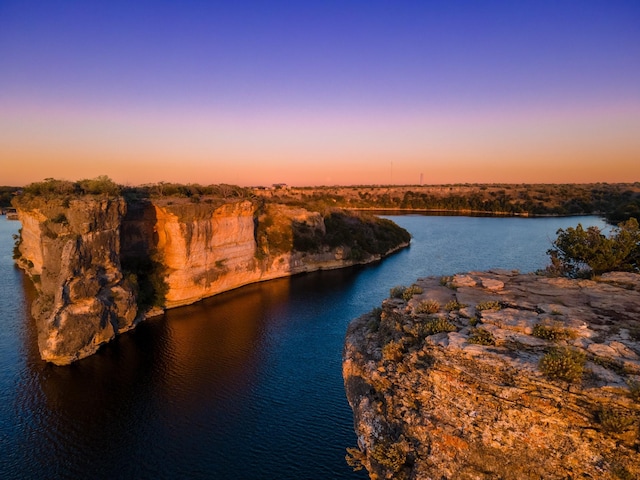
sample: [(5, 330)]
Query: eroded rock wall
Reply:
[(204, 250), (101, 264), (72, 253), (499, 375), (205, 255)]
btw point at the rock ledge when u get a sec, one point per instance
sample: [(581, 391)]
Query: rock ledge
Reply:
[(496, 374)]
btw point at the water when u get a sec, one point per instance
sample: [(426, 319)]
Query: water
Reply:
[(245, 385)]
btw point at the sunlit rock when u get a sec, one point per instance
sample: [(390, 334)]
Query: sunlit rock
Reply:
[(537, 379)]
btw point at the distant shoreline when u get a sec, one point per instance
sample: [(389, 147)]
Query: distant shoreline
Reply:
[(464, 213)]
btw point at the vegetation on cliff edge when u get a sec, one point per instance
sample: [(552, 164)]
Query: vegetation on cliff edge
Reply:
[(579, 252)]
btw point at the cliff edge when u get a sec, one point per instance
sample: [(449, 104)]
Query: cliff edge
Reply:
[(101, 263), (71, 250), (497, 374)]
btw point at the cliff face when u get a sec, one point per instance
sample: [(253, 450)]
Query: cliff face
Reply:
[(100, 264), (72, 252), (203, 250), (499, 375)]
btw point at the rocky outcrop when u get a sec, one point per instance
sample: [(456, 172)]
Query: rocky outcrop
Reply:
[(72, 252), (498, 375), (100, 264)]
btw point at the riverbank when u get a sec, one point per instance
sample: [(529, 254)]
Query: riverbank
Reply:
[(615, 201)]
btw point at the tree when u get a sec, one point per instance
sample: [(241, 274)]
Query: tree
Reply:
[(582, 253)]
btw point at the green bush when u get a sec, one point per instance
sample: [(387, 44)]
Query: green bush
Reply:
[(427, 306), (552, 331), (390, 455), (582, 253), (101, 185), (634, 333), (147, 278), (374, 322), (17, 240), (392, 351), (438, 325), (615, 421), (634, 390), (371, 235), (50, 187), (397, 291), (563, 364), (488, 305), (410, 292), (480, 336), (453, 305)]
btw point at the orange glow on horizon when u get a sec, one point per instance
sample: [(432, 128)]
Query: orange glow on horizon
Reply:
[(581, 146)]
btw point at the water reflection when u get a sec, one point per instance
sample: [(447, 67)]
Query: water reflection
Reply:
[(245, 385), (216, 345)]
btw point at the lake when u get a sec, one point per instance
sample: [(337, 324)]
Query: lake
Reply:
[(244, 385)]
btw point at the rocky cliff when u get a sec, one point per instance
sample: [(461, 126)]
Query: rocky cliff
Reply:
[(498, 375), (71, 249), (101, 263)]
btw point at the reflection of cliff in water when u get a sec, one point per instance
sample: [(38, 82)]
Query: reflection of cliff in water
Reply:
[(214, 347), (198, 360)]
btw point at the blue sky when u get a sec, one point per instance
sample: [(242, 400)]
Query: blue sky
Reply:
[(320, 92)]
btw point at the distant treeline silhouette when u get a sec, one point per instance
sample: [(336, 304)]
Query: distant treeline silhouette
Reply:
[(616, 202)]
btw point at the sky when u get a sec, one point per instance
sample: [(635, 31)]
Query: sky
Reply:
[(320, 93)]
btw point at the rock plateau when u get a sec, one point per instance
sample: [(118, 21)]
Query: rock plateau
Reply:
[(499, 375)]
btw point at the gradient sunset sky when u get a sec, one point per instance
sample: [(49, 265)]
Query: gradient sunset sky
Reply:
[(320, 93)]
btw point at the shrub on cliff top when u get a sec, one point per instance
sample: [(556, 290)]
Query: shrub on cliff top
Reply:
[(488, 305), (563, 364), (409, 292), (427, 306), (50, 187), (480, 336), (582, 253), (397, 291), (452, 305), (553, 331), (438, 325)]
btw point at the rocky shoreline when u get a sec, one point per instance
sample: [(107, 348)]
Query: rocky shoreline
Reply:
[(497, 374), (101, 264)]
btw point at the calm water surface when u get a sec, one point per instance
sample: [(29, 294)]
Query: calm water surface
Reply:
[(246, 385)]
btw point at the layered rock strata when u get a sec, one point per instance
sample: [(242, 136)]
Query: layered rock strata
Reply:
[(499, 375), (100, 264), (72, 253)]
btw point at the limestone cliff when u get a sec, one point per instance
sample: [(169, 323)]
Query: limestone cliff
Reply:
[(72, 252), (205, 249), (498, 375), (100, 263)]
